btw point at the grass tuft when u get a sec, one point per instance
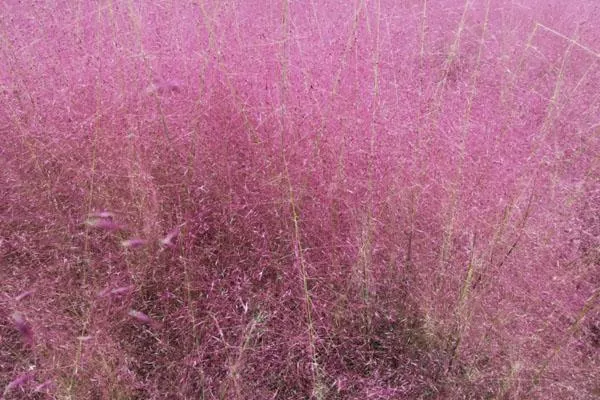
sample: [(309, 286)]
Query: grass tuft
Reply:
[(300, 200)]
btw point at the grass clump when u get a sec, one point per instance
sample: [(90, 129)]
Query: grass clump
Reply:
[(229, 200)]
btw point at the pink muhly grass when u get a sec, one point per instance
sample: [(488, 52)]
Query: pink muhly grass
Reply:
[(144, 318), (141, 317), (24, 295), (18, 382), (103, 220), (167, 241), (164, 87), (122, 290), (102, 214), (167, 295), (332, 176), (135, 243), (24, 327), (103, 223), (44, 386)]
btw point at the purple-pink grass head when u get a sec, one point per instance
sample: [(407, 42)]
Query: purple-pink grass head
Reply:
[(24, 327), (163, 87), (25, 294), (119, 291), (168, 240), (134, 243), (122, 290), (103, 223), (102, 214), (140, 316), (19, 382), (44, 386)]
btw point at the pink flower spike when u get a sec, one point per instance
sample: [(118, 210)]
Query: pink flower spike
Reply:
[(133, 243), (24, 327), (18, 382), (140, 316)]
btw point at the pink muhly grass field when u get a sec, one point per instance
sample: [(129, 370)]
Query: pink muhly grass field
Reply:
[(300, 200)]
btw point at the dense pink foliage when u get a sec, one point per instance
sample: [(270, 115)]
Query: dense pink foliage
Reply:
[(301, 199)]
